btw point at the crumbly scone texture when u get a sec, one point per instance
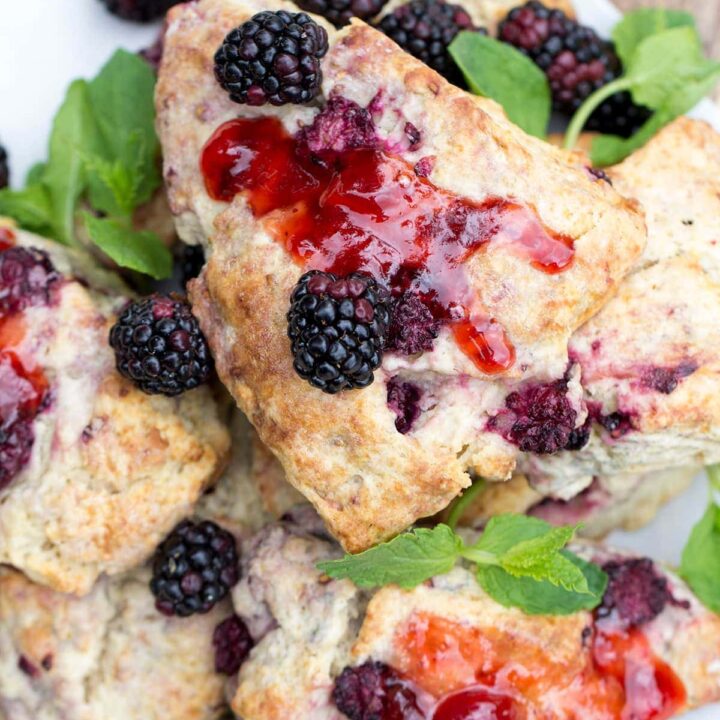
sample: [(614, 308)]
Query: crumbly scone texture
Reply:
[(112, 470), (308, 627), (343, 452), (106, 656), (664, 323)]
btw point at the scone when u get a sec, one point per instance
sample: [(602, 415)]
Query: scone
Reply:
[(649, 651), (373, 460), (110, 654), (93, 472), (650, 359)]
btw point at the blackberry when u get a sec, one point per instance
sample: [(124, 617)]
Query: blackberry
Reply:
[(340, 12), (338, 328), (139, 10), (579, 437), (194, 568), (159, 346), (16, 444), (413, 328), (272, 58), (576, 61), (425, 29), (27, 279), (4, 169), (232, 644), (403, 398), (191, 260)]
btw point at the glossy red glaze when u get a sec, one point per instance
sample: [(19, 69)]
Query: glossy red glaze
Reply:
[(22, 390), (7, 238), (615, 677), (366, 210)]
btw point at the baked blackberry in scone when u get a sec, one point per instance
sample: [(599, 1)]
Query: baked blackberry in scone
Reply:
[(511, 247), (649, 359), (325, 649), (93, 472)]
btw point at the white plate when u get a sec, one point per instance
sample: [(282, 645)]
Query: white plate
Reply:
[(46, 43)]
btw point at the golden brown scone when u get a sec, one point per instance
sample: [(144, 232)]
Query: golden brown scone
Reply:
[(344, 452), (109, 469), (650, 358), (447, 636)]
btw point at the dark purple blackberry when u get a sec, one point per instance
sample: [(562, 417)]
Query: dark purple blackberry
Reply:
[(4, 169), (636, 592), (139, 10), (272, 58), (403, 398), (413, 327), (232, 644), (425, 29), (579, 437), (16, 443), (665, 380), (340, 12), (159, 346), (192, 259), (618, 424), (194, 568), (373, 691), (27, 279), (338, 328), (538, 419), (576, 61)]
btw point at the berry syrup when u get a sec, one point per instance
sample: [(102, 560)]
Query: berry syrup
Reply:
[(362, 209)]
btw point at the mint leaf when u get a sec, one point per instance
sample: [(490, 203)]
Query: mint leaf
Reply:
[(407, 560), (29, 207), (112, 187), (503, 532), (497, 70), (640, 24), (544, 598), (141, 251)]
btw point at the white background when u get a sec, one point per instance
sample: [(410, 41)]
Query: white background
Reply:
[(44, 44)]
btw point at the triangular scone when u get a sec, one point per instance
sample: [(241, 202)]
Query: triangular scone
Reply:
[(344, 452), (650, 359), (651, 650), (106, 470)]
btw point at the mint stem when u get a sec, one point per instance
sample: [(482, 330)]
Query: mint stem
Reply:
[(481, 557), (460, 505), (584, 112)]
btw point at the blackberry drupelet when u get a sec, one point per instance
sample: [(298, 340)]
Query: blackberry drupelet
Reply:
[(27, 279), (159, 346), (194, 568), (4, 169), (338, 328), (425, 29), (272, 58), (576, 61), (340, 12), (139, 10), (232, 644)]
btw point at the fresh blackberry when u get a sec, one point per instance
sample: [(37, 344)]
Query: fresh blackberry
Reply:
[(425, 29), (340, 12), (159, 346), (272, 58), (232, 644), (4, 169), (577, 62), (139, 10), (27, 279), (194, 568), (338, 328), (192, 259)]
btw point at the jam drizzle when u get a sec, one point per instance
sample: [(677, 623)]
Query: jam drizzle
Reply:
[(362, 209)]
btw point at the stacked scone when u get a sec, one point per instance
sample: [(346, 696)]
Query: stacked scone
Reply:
[(403, 292)]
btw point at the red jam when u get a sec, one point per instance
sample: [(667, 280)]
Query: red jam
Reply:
[(505, 676), (365, 210), (7, 238)]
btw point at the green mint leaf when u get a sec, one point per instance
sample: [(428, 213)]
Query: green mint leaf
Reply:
[(35, 174), (542, 597), (112, 187), (700, 564), (640, 24), (74, 132), (30, 208), (122, 100), (504, 532), (141, 251), (407, 560), (458, 506), (497, 70)]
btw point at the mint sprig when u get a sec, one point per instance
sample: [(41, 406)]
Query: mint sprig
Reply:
[(665, 70), (700, 564), (519, 561), (497, 70), (103, 156)]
